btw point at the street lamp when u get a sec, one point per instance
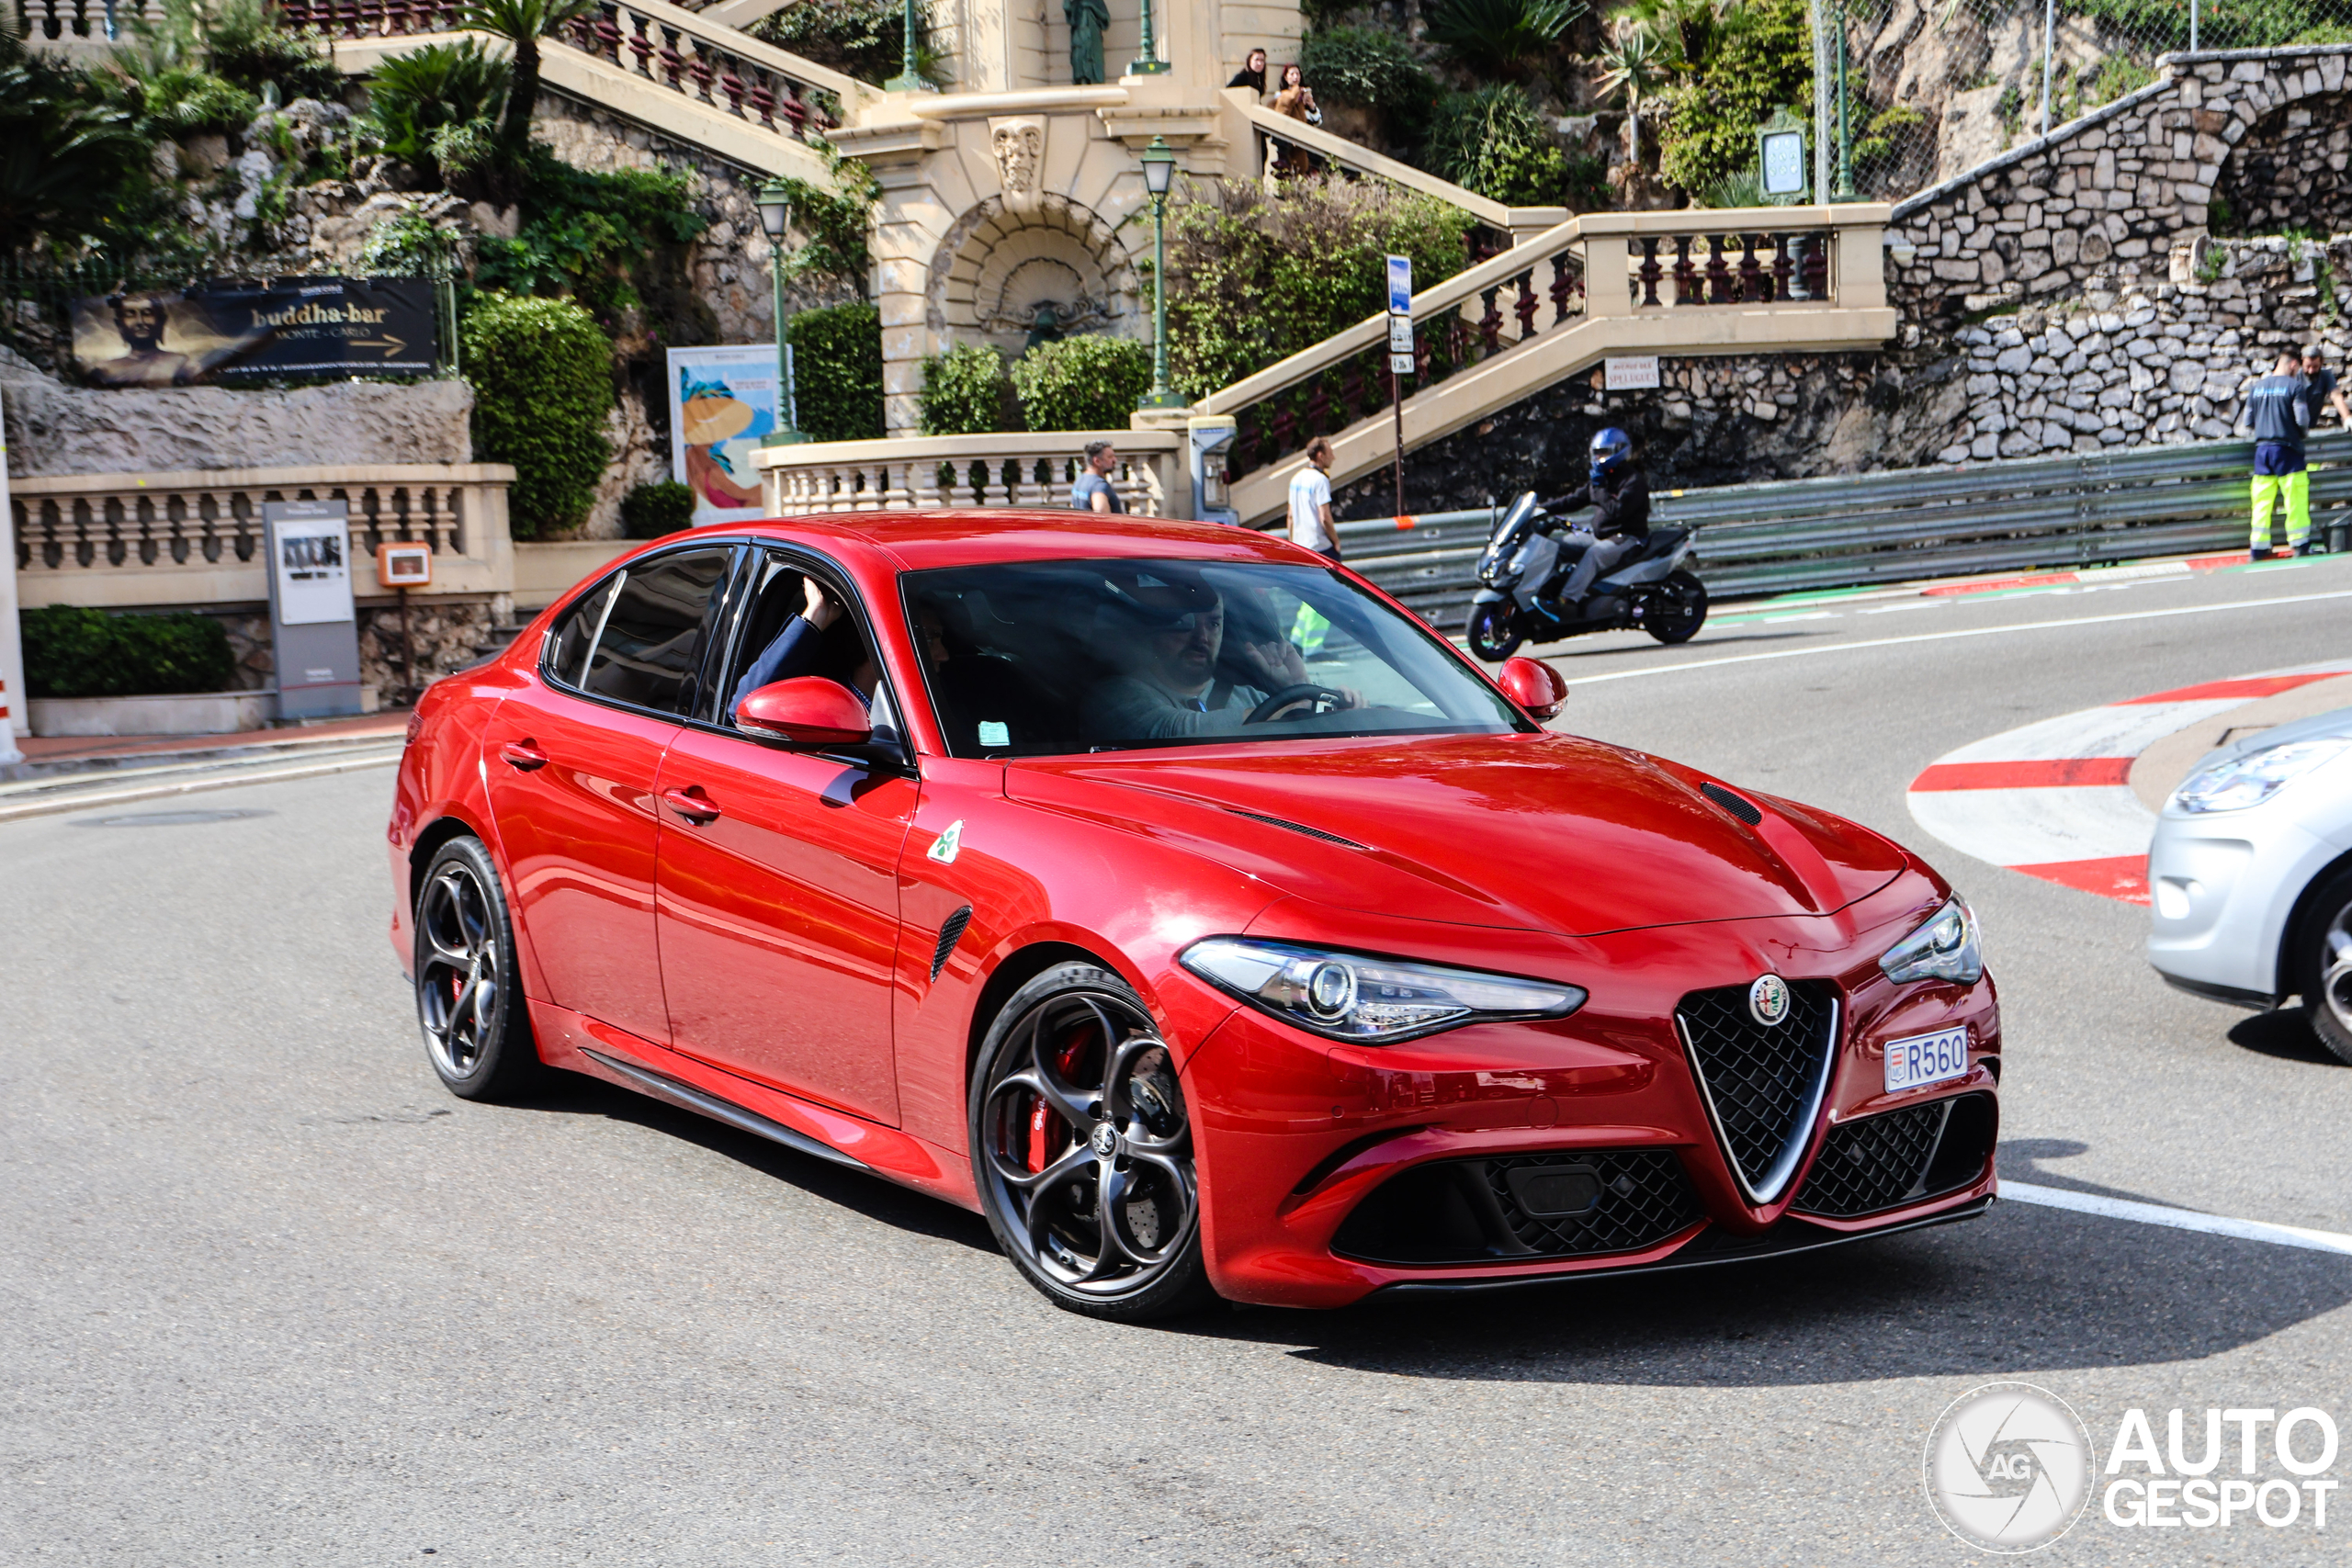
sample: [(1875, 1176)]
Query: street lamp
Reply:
[(1844, 190), (1158, 172), (775, 217), (907, 80), (1148, 62)]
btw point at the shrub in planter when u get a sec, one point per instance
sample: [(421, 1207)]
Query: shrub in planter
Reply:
[(75, 652), (963, 391), (837, 371), (1082, 383), (542, 373), (650, 511)]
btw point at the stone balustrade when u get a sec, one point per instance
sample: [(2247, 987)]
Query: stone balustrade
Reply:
[(921, 473), (122, 540), (77, 29)]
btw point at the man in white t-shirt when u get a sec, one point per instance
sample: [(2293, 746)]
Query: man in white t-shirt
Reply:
[(1310, 503)]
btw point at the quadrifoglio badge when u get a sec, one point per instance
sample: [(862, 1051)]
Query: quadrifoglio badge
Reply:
[(2010, 1467)]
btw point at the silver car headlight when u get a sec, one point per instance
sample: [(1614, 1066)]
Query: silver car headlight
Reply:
[(1372, 1001), (2249, 779), (1943, 949)]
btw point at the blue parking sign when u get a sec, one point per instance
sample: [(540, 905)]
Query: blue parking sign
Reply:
[(1400, 286)]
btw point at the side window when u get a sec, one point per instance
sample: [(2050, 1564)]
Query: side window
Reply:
[(565, 656), (649, 649), (777, 644)]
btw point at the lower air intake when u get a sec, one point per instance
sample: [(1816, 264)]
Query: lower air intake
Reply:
[(1899, 1156), (1584, 1204)]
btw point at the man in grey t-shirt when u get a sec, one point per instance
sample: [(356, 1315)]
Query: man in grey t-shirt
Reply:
[(1092, 491)]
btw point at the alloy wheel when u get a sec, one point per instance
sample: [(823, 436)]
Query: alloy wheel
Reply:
[(2335, 969), (1086, 1141), (458, 986)]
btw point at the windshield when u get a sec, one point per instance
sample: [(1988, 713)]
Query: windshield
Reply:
[(1046, 657)]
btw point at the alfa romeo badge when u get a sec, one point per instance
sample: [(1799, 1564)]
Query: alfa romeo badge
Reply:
[(1767, 1000)]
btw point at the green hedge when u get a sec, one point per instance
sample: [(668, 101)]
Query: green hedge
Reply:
[(1082, 383), (963, 391), (1762, 60), (542, 375), (650, 511), (74, 652), (837, 371)]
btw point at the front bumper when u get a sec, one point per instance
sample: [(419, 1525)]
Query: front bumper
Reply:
[(1317, 1158), (2223, 886)]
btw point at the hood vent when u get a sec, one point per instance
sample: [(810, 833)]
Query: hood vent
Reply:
[(1746, 811), (1295, 827)]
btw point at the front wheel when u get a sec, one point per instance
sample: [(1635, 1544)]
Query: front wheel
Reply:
[(1082, 1147), (477, 1029), (1678, 610), (1496, 631), (2322, 964)]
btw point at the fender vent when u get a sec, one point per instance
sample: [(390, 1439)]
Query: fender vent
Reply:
[(1746, 811), (949, 935)]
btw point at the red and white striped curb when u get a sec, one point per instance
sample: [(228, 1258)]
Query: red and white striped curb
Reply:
[(2091, 574), (2054, 800)]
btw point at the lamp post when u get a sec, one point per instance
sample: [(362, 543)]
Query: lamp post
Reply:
[(1845, 187), (1148, 62), (1158, 172), (907, 80), (775, 217)]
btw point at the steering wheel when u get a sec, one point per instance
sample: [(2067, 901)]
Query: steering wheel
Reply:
[(1325, 699)]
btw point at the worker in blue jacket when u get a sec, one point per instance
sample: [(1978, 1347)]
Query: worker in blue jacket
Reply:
[(2278, 407)]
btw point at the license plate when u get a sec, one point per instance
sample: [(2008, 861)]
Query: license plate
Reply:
[(1926, 1058)]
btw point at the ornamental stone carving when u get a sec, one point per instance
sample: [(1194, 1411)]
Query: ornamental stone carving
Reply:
[(1019, 148)]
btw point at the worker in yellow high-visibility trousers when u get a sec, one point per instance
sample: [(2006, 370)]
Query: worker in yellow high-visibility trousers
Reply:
[(2279, 409)]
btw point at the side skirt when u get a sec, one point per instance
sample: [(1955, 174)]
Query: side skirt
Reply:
[(688, 1097)]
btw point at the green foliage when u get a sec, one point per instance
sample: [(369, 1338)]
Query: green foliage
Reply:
[(1091, 382), (72, 162), (1498, 36), (1760, 57), (2119, 75), (249, 45), (837, 371), (650, 511), (522, 23), (836, 223), (2161, 24), (183, 101), (864, 38), (1882, 139), (963, 391), (1491, 140), (1587, 188), (75, 652), (542, 375), (1632, 70), (1252, 278), (596, 236), (1369, 67), (414, 96)]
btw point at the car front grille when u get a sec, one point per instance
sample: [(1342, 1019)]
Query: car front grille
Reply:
[(1762, 1083), (1899, 1156), (1586, 1204)]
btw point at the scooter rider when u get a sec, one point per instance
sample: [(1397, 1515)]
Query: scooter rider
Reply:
[(1620, 498)]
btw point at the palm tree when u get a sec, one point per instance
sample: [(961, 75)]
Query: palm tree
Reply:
[(522, 23), (1632, 68)]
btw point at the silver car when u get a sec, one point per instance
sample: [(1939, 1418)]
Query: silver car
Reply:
[(2251, 876)]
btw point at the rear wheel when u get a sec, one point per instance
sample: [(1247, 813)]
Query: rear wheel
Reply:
[(1494, 630), (1678, 610), (477, 1029), (1081, 1145), (2323, 964)]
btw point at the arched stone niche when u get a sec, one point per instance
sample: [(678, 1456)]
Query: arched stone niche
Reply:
[(2288, 170), (996, 268)]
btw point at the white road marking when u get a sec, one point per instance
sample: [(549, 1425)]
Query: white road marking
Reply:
[(1965, 631), (1807, 615), (2037, 826), (2177, 1219), (73, 801), (1920, 604)]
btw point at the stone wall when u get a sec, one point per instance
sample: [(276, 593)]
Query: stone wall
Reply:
[(2103, 201), (2289, 172)]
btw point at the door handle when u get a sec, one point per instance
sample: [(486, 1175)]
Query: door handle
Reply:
[(523, 756), (691, 804)]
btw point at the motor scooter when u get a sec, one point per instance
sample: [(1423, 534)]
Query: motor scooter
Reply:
[(1528, 558)]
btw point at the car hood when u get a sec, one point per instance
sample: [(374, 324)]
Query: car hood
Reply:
[(1541, 832)]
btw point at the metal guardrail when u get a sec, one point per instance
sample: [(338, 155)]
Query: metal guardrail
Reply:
[(1853, 530)]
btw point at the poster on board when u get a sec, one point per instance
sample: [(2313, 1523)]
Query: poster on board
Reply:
[(241, 332), (721, 402), (309, 544)]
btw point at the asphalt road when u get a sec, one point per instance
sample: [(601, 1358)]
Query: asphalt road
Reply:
[(272, 1295)]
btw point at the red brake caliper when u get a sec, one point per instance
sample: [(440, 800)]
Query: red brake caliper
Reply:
[(1047, 1133)]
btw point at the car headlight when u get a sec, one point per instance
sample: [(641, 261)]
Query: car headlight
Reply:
[(1943, 949), (2249, 779), (1372, 1001)]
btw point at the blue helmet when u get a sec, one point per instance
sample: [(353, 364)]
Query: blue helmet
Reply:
[(1612, 450)]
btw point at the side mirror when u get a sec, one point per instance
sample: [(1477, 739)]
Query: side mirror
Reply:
[(807, 711), (1532, 683)]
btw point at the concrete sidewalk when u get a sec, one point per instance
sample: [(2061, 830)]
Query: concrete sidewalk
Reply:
[(51, 756)]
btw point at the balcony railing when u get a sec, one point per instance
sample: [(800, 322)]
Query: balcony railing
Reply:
[(925, 473)]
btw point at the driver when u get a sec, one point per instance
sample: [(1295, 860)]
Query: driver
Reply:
[(1172, 688)]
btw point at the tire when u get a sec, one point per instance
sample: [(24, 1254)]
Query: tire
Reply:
[(469, 1004), (2321, 963), (1496, 631), (1679, 610), (1075, 1097)]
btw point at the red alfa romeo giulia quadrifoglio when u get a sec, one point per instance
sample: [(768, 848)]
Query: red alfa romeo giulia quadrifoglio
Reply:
[(1185, 905)]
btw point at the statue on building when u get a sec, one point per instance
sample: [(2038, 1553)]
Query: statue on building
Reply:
[(1088, 18)]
